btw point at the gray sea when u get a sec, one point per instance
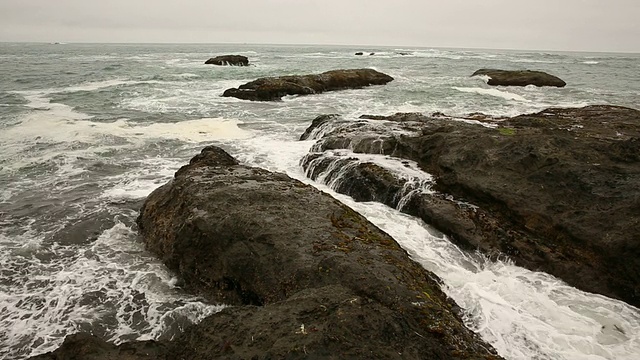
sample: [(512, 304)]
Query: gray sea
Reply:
[(88, 130)]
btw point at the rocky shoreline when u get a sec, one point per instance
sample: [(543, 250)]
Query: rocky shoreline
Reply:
[(555, 191), (322, 283)]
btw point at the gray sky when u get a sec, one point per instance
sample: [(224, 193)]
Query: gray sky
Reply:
[(589, 25)]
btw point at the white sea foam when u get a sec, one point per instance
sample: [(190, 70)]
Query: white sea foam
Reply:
[(492, 92), (113, 288), (532, 61), (194, 131), (150, 174), (591, 62), (61, 125), (95, 85)]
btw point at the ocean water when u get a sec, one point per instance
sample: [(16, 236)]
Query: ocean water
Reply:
[(87, 131)]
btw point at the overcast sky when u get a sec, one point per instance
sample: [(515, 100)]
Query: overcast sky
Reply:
[(589, 25)]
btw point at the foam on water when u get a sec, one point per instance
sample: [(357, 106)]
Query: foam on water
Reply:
[(532, 61), (148, 175), (493, 92), (112, 288), (72, 134)]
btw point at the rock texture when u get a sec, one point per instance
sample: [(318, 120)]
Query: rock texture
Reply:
[(307, 276), (274, 88), (520, 78), (232, 60), (556, 191), (88, 347)]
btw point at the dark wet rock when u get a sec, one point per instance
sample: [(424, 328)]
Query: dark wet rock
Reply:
[(359, 53), (520, 78), (89, 347), (362, 181), (232, 60), (555, 191), (274, 88), (372, 53), (309, 281), (307, 276), (403, 53), (317, 123)]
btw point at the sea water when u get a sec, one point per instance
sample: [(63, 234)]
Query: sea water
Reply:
[(87, 131)]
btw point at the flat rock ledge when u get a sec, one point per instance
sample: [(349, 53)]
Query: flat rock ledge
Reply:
[(274, 88), (307, 277), (556, 191), (228, 60), (520, 78)]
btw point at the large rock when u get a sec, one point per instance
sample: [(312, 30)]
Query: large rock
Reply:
[(556, 191), (88, 347), (232, 60), (274, 88), (520, 78), (307, 276)]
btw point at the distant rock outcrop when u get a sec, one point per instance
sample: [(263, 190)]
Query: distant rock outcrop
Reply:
[(555, 191), (274, 88), (232, 60), (520, 78), (359, 53), (307, 277)]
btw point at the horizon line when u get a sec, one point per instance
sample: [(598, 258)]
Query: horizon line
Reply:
[(317, 45)]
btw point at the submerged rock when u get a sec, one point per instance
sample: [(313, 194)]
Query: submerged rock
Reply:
[(307, 277), (520, 78), (274, 88), (556, 191), (232, 60)]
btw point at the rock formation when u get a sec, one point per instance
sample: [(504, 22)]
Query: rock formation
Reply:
[(555, 191), (232, 60), (520, 78), (274, 88)]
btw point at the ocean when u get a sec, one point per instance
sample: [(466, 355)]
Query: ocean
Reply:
[(87, 131)]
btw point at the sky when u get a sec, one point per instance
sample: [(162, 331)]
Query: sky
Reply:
[(564, 25)]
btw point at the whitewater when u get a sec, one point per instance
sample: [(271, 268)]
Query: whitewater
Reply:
[(88, 131)]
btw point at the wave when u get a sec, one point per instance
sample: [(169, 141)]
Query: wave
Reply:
[(493, 92), (532, 61), (53, 132), (39, 96)]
